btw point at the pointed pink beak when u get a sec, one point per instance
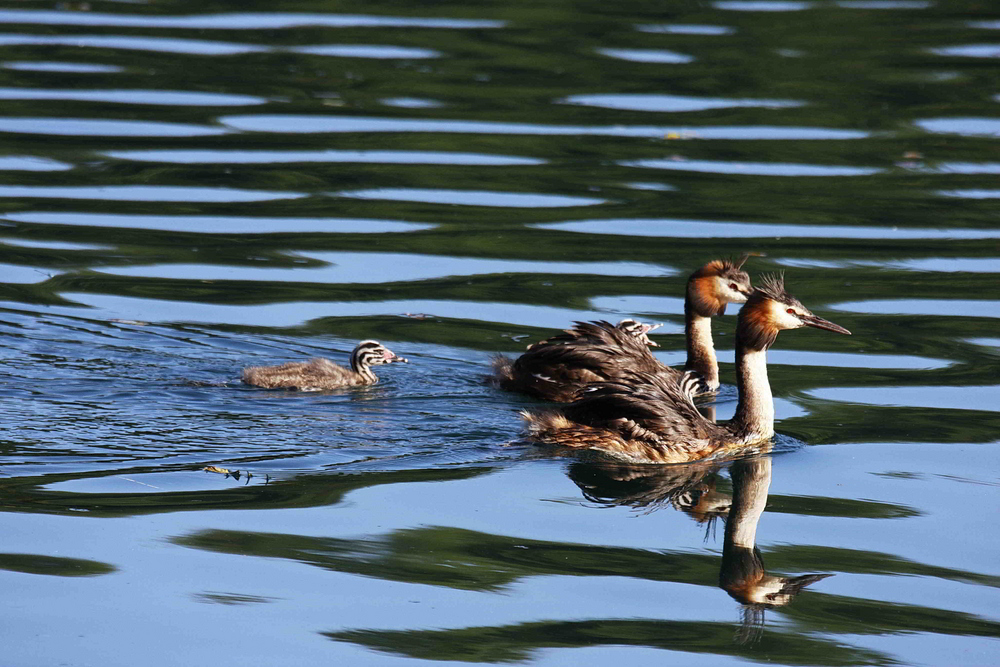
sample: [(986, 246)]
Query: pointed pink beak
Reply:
[(646, 328), (391, 357)]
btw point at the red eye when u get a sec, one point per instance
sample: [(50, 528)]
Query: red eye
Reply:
[(733, 287), (790, 311)]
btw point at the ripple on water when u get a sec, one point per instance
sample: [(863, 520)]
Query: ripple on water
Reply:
[(985, 342), (751, 168), (968, 50), (672, 103), (152, 193), (935, 264), (123, 96), (654, 187), (238, 21), (411, 103), (686, 29), (944, 398), (291, 314), (199, 224), (322, 124), (959, 168), (54, 245), (31, 163), (673, 228), (761, 5), (975, 193), (472, 197), (884, 4), (355, 267), (25, 275), (968, 127), (68, 68), (927, 307), (375, 51), (655, 56), (204, 156), (197, 47), (90, 127)]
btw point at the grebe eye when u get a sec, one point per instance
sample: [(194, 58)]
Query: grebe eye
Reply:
[(734, 287), (790, 311)]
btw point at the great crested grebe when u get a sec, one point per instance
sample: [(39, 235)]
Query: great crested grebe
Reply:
[(319, 374), (561, 367), (643, 418)]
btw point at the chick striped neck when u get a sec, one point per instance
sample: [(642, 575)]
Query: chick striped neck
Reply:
[(361, 360)]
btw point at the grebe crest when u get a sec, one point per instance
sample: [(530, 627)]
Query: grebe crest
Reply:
[(715, 285), (771, 309)]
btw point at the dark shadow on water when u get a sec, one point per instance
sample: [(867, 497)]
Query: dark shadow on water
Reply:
[(462, 559), (54, 565)]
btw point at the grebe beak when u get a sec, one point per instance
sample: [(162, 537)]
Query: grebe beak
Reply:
[(820, 323), (391, 357)]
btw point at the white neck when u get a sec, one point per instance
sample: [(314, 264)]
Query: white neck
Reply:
[(754, 419), (749, 501), (701, 349)]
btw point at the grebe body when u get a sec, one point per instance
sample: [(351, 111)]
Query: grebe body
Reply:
[(642, 417), (320, 374), (561, 367)]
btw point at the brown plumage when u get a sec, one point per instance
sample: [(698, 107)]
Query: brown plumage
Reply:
[(319, 374), (561, 367), (643, 417)]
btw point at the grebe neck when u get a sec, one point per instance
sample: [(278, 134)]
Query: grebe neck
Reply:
[(754, 419), (700, 347)]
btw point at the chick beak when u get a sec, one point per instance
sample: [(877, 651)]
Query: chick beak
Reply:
[(646, 328)]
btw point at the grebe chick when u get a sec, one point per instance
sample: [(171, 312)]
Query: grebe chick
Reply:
[(560, 367), (643, 418), (319, 374)]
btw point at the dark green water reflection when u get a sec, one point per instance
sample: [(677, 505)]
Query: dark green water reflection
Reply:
[(186, 189)]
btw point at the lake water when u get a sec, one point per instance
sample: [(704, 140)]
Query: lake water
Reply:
[(187, 189)]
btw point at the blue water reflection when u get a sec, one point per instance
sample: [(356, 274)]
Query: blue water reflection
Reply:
[(220, 224), (320, 124)]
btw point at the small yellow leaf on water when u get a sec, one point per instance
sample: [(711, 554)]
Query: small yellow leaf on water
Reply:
[(673, 135), (217, 469)]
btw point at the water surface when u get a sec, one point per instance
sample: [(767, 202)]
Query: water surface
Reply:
[(186, 191)]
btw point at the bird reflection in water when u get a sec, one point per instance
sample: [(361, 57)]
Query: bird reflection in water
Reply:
[(692, 489)]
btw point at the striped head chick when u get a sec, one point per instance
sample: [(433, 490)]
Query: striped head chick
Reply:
[(639, 330), (372, 353)]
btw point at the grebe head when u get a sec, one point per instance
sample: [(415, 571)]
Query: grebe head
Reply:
[(771, 309), (372, 353), (639, 330), (718, 283)]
